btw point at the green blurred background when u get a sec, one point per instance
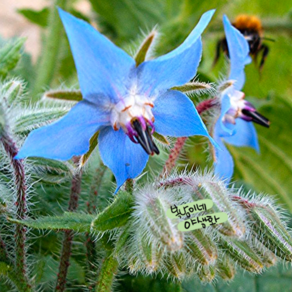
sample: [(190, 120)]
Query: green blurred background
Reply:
[(124, 21)]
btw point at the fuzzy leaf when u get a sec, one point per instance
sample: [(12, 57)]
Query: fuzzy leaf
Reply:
[(35, 118), (69, 220), (116, 214), (9, 56)]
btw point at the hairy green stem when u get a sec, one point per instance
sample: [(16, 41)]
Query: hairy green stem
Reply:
[(68, 234), (180, 142), (107, 274), (50, 52), (21, 210), (91, 254)]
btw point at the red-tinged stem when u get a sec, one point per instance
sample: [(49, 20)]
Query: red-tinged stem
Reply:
[(180, 142), (21, 210), (91, 254), (68, 234)]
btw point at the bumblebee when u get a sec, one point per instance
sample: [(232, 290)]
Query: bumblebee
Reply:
[(251, 28)]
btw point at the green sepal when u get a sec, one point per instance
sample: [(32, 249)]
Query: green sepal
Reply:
[(192, 87), (207, 273), (92, 145), (145, 47), (201, 247), (242, 253), (161, 138), (176, 264), (67, 95), (225, 268)]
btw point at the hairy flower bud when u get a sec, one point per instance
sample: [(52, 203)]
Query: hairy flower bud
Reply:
[(220, 196), (175, 264), (268, 228), (226, 268), (201, 248), (150, 214), (242, 253), (207, 273)]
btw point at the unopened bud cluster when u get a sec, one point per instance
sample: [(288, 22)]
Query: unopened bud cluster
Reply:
[(252, 238)]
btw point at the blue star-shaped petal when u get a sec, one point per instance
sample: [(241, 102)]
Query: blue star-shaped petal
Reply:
[(124, 102), (233, 126)]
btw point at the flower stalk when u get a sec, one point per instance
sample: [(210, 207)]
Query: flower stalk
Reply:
[(107, 274), (21, 209), (68, 234), (91, 255), (180, 142)]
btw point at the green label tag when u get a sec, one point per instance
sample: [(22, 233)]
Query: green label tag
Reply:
[(187, 210), (202, 221)]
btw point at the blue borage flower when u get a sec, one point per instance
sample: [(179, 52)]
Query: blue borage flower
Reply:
[(233, 126), (124, 102)]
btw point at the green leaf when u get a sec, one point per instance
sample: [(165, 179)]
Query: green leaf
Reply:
[(34, 118), (69, 220), (39, 17), (116, 214), (9, 56)]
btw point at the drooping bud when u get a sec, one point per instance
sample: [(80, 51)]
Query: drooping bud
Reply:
[(150, 252), (268, 257), (201, 248), (269, 230), (175, 264), (226, 268), (207, 273), (220, 196), (242, 253), (151, 208)]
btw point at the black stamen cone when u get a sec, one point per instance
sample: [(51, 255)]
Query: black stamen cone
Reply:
[(257, 118), (145, 138)]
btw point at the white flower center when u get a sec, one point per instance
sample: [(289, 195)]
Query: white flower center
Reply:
[(129, 109)]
